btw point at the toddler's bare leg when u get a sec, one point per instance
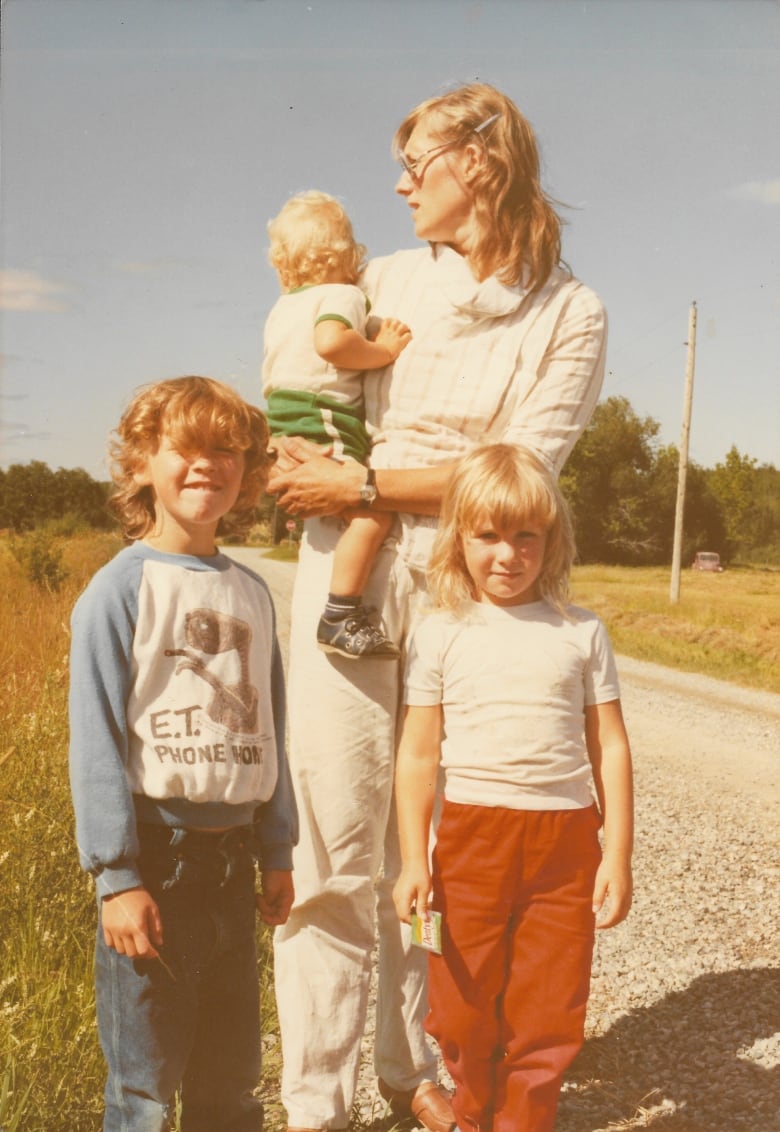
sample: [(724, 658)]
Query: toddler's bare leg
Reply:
[(355, 552), (346, 626)]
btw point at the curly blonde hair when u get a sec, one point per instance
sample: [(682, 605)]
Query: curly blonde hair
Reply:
[(193, 413), (312, 242), (519, 231), (501, 486)]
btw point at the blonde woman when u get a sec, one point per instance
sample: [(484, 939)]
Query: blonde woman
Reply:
[(507, 346), (514, 692)]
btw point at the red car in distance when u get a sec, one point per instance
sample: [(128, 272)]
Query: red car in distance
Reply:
[(707, 560)]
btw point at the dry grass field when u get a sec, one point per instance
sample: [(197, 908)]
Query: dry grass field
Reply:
[(51, 1072)]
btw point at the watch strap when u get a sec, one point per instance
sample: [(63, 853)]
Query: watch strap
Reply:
[(368, 490)]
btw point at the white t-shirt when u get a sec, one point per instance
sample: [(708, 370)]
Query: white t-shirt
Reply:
[(513, 683), (290, 360)]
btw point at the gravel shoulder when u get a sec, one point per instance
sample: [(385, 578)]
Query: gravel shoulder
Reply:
[(684, 1014), (718, 733)]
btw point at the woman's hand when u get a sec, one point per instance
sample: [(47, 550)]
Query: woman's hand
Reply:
[(292, 451), (307, 483)]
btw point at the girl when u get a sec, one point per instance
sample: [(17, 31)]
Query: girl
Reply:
[(516, 693)]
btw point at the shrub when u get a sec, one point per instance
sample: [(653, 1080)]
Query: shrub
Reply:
[(41, 559)]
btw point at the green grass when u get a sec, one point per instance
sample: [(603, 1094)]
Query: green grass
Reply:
[(284, 552), (724, 625)]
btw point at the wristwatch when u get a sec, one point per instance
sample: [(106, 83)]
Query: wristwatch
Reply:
[(368, 490)]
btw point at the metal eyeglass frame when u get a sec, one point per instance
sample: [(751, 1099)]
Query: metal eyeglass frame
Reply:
[(411, 167)]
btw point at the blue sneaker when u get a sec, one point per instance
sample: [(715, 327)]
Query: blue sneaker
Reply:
[(355, 637)]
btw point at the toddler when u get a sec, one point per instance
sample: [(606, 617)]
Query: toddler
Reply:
[(316, 350)]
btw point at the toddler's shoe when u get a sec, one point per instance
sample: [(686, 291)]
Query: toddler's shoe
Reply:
[(355, 637)]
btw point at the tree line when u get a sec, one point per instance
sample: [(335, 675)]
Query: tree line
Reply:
[(32, 495), (622, 487), (621, 484)]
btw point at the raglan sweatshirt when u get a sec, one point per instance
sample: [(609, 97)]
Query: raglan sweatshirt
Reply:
[(177, 710)]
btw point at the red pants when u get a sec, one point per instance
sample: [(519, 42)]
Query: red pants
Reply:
[(509, 991)]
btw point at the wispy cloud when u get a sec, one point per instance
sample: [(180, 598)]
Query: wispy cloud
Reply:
[(765, 192), (26, 291), (15, 432)]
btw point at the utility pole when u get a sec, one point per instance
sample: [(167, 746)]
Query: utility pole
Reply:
[(674, 592)]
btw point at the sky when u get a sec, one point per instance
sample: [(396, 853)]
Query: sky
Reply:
[(146, 144)]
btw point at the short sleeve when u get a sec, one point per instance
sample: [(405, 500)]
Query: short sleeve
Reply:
[(601, 678), (424, 669), (344, 303)]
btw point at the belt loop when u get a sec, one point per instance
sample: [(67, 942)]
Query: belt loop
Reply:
[(178, 835), (177, 839), (229, 860)]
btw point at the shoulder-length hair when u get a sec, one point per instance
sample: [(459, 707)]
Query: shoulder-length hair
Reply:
[(194, 413), (312, 242), (519, 231), (504, 487)]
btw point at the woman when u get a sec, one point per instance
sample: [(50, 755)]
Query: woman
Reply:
[(506, 346)]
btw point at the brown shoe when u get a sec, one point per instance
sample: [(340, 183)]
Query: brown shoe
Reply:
[(429, 1104)]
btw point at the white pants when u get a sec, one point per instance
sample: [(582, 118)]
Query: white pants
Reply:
[(342, 741)]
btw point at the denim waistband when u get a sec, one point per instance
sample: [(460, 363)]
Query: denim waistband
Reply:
[(176, 857)]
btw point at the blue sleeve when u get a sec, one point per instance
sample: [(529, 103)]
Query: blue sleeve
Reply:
[(276, 821), (102, 625)]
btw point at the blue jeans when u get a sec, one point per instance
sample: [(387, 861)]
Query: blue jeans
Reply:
[(192, 1021)]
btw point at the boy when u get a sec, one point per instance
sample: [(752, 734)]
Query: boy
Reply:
[(316, 348), (178, 767)]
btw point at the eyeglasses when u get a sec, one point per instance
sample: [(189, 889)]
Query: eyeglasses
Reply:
[(412, 166)]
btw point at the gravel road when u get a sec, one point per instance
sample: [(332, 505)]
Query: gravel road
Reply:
[(684, 1015)]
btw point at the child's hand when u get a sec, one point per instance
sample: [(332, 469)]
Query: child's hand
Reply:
[(394, 335), (612, 891), (275, 900), (132, 924), (412, 892)]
